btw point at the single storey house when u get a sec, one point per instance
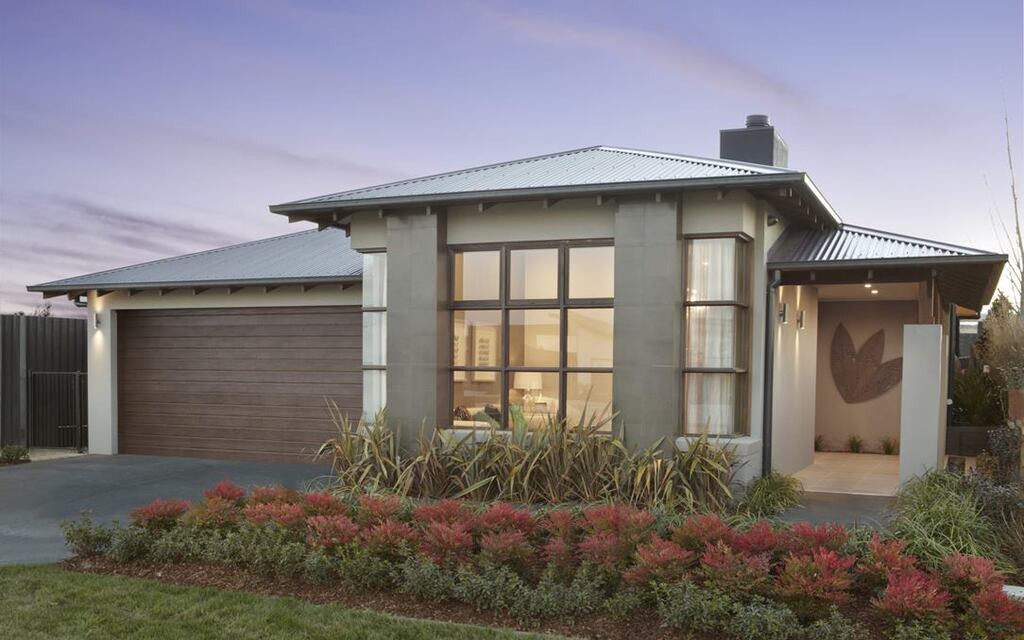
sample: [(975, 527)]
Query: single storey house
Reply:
[(688, 295)]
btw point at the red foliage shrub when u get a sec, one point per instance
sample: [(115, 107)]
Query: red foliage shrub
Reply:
[(502, 516), (697, 532), (913, 594), (883, 558), (964, 576), (446, 543), (447, 511), (823, 577), (276, 494), (323, 503), (160, 514), (625, 521), (998, 611), (559, 552), (604, 549), (560, 523), (734, 571), (805, 537), (390, 538), (330, 531), (214, 513), (227, 490), (661, 560), (760, 538), (281, 513), (508, 547), (378, 509)]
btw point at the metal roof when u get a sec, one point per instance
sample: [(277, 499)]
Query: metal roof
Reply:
[(306, 257), (800, 247)]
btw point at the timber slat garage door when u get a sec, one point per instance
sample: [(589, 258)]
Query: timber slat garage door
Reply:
[(244, 384)]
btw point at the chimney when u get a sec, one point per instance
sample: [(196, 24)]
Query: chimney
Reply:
[(758, 142)]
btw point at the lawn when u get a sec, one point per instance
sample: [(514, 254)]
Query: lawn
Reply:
[(49, 602)]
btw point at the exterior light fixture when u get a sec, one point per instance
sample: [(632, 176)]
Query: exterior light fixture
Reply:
[(874, 292), (784, 314), (800, 319), (867, 285), (95, 321)]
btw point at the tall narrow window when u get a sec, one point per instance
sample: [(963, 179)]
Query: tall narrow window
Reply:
[(532, 330), (716, 339), (375, 333)]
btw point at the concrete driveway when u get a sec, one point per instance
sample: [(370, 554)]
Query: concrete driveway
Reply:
[(36, 497)]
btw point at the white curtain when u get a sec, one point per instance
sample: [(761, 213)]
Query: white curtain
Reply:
[(711, 337), (711, 272), (711, 403)]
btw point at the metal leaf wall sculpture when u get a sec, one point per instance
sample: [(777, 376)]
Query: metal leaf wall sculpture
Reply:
[(860, 375)]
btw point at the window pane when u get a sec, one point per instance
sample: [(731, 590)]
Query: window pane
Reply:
[(592, 272), (716, 337), (533, 274), (476, 399), (375, 276), (375, 338), (588, 399), (533, 397), (477, 275), (533, 336), (476, 338), (590, 337), (711, 270), (711, 401), (374, 392)]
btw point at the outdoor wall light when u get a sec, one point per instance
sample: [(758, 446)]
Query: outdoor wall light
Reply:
[(800, 319), (874, 292), (784, 313), (95, 321)]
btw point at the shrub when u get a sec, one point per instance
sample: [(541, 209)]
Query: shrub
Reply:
[(625, 603), (760, 538), (281, 513), (13, 454), (389, 539), (128, 544), (890, 446), (559, 553), (360, 570), (913, 595), (179, 544), (965, 576), (823, 578), (160, 515), (318, 568), (997, 612), (770, 495), (508, 547), (762, 619), (226, 490), (378, 509), (551, 598), (492, 588), (559, 523), (276, 494), (696, 532), (835, 626), (733, 571), (630, 524), (854, 444), (84, 537), (883, 558), (501, 516), (328, 532), (686, 606), (805, 538), (446, 543), (603, 549), (446, 511), (426, 581), (918, 630), (660, 560), (214, 512), (322, 503)]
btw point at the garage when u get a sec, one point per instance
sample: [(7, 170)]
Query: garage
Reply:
[(235, 383)]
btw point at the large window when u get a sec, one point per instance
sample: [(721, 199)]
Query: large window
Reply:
[(716, 340), (532, 333), (375, 333)]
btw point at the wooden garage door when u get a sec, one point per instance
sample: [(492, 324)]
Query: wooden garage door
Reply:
[(243, 384)]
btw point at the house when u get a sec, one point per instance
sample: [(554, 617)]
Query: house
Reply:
[(690, 295)]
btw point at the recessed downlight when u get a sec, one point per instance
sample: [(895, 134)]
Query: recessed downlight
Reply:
[(874, 292)]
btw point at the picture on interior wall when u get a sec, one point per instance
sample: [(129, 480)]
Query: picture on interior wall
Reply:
[(859, 374)]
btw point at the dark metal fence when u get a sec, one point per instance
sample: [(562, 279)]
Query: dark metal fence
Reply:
[(57, 414)]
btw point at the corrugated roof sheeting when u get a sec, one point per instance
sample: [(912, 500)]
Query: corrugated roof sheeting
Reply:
[(589, 166), (313, 255), (857, 243)]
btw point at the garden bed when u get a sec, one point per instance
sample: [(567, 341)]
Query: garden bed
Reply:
[(606, 571)]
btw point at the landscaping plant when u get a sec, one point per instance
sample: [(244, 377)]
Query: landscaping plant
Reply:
[(13, 454), (854, 444), (770, 495)]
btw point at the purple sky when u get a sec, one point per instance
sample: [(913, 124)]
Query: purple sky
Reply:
[(131, 131)]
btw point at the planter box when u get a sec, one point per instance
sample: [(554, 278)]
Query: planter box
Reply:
[(966, 440)]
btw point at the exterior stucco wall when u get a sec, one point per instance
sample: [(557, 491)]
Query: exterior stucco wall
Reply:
[(102, 339), (525, 221), (836, 420), (795, 376), (368, 231)]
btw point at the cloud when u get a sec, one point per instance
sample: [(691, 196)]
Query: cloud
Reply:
[(713, 68)]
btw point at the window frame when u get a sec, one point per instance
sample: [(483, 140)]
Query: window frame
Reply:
[(505, 304), (743, 328), (382, 310)]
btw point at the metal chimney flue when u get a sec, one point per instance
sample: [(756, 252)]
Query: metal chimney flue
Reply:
[(758, 142)]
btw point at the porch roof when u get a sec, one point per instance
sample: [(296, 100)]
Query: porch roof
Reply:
[(965, 276)]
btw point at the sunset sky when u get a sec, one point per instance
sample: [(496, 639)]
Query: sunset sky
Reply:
[(131, 131)]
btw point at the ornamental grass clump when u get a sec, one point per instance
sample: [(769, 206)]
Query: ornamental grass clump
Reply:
[(770, 495)]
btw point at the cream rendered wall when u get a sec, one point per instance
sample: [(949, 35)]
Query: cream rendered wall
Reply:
[(922, 420), (796, 356), (102, 341), (574, 219), (368, 231)]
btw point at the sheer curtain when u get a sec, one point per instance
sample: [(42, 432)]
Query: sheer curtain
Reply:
[(711, 276)]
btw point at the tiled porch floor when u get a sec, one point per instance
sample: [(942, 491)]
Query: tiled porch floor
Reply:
[(869, 474)]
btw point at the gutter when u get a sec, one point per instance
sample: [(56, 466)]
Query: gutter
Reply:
[(769, 371), (207, 284)]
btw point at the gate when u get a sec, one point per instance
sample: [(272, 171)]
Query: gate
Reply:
[(58, 409)]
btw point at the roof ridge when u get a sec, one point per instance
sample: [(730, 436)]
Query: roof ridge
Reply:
[(700, 159), (445, 174), (924, 242), (181, 257)]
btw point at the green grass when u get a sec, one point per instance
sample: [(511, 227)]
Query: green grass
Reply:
[(49, 602)]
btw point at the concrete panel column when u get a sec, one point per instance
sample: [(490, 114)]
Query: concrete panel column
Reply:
[(101, 360), (922, 403), (648, 309), (417, 319)]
